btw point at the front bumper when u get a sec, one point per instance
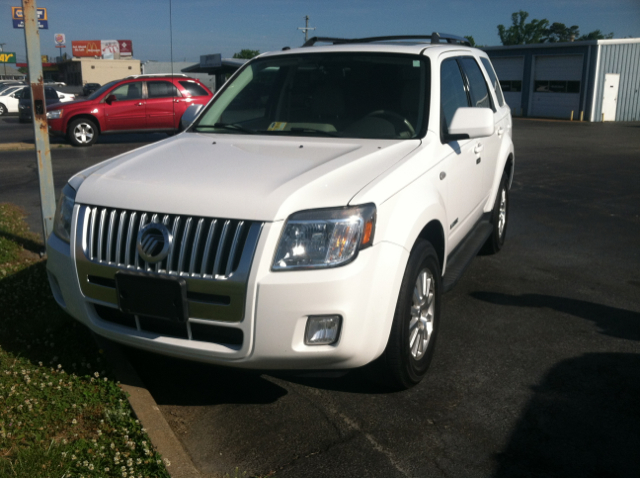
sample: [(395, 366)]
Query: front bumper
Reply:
[(277, 305)]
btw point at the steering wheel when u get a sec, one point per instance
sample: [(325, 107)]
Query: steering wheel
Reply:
[(395, 116)]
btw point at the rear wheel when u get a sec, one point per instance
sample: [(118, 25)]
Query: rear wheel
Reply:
[(408, 354), (3, 109), (499, 217), (82, 132)]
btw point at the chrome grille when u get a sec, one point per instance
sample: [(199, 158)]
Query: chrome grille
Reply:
[(206, 248)]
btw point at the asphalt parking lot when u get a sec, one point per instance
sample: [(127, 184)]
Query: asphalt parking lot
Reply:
[(537, 369)]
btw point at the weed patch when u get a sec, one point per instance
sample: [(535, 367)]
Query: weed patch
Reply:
[(61, 411)]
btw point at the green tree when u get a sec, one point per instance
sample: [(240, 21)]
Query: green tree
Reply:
[(595, 35), (559, 32), (471, 40), (246, 53), (521, 32)]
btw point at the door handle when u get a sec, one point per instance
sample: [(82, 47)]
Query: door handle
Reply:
[(500, 131), (139, 104), (478, 148)]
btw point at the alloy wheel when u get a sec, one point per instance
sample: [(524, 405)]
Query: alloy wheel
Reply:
[(422, 314)]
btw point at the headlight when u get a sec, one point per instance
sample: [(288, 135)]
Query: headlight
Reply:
[(324, 238), (54, 114), (64, 210)]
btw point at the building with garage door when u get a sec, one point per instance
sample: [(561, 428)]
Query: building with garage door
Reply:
[(596, 80)]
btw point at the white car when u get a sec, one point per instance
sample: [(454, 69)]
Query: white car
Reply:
[(64, 97), (310, 217), (9, 99)]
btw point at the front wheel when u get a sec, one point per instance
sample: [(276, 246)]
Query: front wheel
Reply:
[(3, 109), (416, 321), (82, 132)]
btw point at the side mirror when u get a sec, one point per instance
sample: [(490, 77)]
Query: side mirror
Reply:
[(189, 115), (468, 123), (110, 99), (60, 97)]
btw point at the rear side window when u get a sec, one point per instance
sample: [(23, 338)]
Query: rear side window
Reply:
[(452, 91), (193, 88), (478, 89), (161, 89), (49, 93), (494, 80)]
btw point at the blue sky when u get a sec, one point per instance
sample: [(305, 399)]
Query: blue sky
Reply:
[(220, 26)]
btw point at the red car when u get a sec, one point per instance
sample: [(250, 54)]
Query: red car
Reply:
[(142, 103)]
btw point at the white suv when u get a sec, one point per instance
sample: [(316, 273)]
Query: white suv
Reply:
[(310, 217)]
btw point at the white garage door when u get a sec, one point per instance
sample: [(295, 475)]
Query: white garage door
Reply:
[(556, 86), (510, 71)]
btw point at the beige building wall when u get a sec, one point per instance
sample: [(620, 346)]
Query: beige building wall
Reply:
[(103, 71)]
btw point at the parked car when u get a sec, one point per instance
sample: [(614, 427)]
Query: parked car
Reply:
[(55, 83), (24, 104), (89, 88), (65, 97), (142, 103), (9, 98), (310, 217)]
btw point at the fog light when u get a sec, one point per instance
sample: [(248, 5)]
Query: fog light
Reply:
[(322, 329)]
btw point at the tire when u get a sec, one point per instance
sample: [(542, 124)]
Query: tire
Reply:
[(3, 109), (417, 317), (499, 219), (82, 132)]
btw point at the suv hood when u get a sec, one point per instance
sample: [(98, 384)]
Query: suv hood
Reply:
[(236, 176)]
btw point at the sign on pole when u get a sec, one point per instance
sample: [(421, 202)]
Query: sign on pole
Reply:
[(17, 16), (7, 57), (59, 39)]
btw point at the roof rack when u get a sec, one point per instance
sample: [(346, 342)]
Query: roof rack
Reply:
[(434, 38), (151, 75)]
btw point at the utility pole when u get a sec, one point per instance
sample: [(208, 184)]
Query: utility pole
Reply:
[(39, 114), (306, 28), (4, 64)]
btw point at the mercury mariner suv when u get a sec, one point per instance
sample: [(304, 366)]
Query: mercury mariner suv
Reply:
[(309, 217)]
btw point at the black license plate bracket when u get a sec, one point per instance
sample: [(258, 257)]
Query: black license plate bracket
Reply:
[(146, 295)]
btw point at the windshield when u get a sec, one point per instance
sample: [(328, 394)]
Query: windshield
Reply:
[(98, 93), (350, 95)]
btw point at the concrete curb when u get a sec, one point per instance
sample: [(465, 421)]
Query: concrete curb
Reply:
[(148, 412), (28, 146)]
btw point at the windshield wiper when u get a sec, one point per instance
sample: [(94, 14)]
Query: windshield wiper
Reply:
[(228, 126)]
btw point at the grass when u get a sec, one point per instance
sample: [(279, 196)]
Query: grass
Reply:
[(61, 411)]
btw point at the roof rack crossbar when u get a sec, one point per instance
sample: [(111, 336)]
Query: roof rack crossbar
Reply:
[(151, 75), (434, 38)]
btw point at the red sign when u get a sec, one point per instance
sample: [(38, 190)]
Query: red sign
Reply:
[(126, 48), (86, 48)]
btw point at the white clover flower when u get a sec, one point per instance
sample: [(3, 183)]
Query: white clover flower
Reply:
[(129, 462), (123, 468), (73, 457), (74, 422), (86, 463), (96, 374), (138, 461), (59, 366), (106, 469), (73, 406)]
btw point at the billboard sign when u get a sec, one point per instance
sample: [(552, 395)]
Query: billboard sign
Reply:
[(18, 18), (86, 48), (7, 57), (126, 48), (211, 61), (60, 40), (110, 49)]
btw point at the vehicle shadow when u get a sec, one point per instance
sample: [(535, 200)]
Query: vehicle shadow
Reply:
[(188, 383), (615, 322), (582, 421)]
